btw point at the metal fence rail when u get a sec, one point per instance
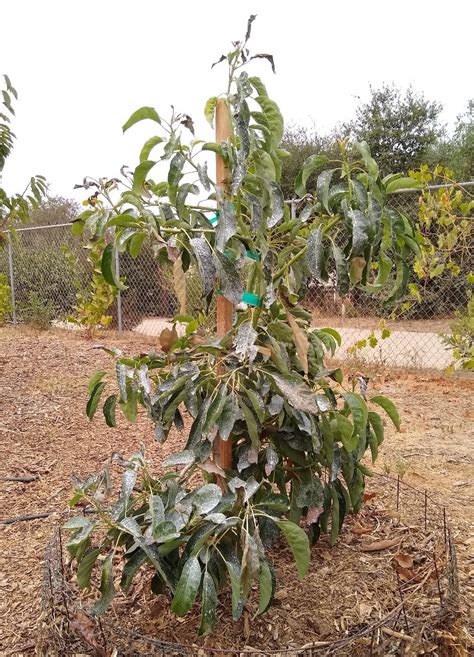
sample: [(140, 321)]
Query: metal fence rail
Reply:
[(47, 266)]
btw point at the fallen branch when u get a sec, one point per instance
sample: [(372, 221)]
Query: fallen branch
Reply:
[(25, 480), (32, 516), (39, 516), (396, 635)]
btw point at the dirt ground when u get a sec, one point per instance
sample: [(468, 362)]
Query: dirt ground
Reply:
[(44, 433)]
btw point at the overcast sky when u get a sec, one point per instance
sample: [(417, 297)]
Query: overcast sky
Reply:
[(81, 68)]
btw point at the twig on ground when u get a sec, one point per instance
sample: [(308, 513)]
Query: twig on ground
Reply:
[(25, 480), (396, 635), (32, 516)]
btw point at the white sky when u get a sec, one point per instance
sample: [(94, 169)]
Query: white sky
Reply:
[(81, 68)]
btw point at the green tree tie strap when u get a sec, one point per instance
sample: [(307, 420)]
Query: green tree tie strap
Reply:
[(249, 298), (252, 299), (252, 255)]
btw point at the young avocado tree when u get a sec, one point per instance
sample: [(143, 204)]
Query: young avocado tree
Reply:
[(275, 438)]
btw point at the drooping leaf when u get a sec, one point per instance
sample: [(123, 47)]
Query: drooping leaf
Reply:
[(180, 458), (109, 410), (301, 342), (165, 531), (210, 110), (85, 568), (402, 183), (207, 269), (295, 390), (256, 211), (140, 174), (148, 146), (209, 605), (360, 232), (358, 409), (187, 587), (250, 563), (400, 283), (333, 333), (299, 544), (140, 115), (228, 416), (233, 567), (215, 410), (195, 433), (335, 524), (131, 526), (107, 266), (267, 586), (206, 498), (132, 566), (373, 444), (129, 479), (315, 255), (227, 226), (257, 403), (230, 279), (278, 204), (269, 59), (203, 176), (157, 511), (251, 423), (94, 399), (95, 379), (346, 430), (389, 407), (377, 425), (342, 270), (174, 175), (312, 164), (370, 163), (107, 588), (273, 116), (322, 187), (245, 339)]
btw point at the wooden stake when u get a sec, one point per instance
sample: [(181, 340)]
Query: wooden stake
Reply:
[(223, 448)]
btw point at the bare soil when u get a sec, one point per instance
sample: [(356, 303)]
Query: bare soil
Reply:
[(44, 433)]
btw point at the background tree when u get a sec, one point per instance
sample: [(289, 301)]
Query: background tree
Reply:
[(461, 159), (55, 210), (300, 143), (16, 208), (398, 128)]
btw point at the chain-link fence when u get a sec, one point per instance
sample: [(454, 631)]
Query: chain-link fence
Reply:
[(416, 328), (47, 266)]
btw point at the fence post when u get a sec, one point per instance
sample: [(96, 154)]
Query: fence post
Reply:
[(119, 295), (12, 280)]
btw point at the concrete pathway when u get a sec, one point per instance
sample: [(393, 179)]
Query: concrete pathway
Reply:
[(401, 349)]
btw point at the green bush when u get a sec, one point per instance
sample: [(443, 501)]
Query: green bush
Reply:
[(5, 299), (45, 275), (38, 311)]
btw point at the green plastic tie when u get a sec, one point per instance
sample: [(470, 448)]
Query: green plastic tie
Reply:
[(250, 254), (252, 299), (215, 219), (248, 297), (253, 256)]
